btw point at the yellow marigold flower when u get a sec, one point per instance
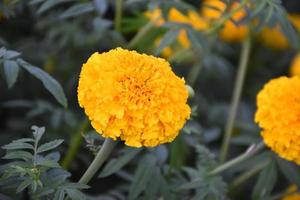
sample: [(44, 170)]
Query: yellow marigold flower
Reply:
[(295, 66), (295, 196), (269, 35), (213, 10), (134, 97), (278, 111)]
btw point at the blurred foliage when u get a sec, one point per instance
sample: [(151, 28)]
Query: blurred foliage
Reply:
[(47, 41)]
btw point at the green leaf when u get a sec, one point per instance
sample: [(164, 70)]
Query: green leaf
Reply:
[(24, 185), (142, 177), (116, 164), (11, 71), (9, 54), (266, 182), (77, 9), (49, 145), (50, 4), (23, 140), (17, 145), (24, 155), (59, 195), (290, 170), (47, 163), (49, 83), (75, 194), (38, 132), (78, 186), (167, 40)]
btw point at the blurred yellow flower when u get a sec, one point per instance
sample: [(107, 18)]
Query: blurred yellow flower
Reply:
[(155, 15), (278, 111), (166, 52), (213, 10), (192, 18), (274, 38), (295, 66), (134, 97), (295, 196)]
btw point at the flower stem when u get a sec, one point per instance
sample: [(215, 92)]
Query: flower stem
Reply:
[(236, 97), (252, 150), (101, 156), (118, 15), (246, 175), (75, 144)]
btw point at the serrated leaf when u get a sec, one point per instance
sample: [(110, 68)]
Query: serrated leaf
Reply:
[(265, 183), (23, 185), (24, 155), (48, 4), (167, 40), (49, 83), (47, 163), (75, 194), (11, 71), (38, 132), (49, 145), (17, 145), (77, 9), (59, 195), (142, 177), (54, 177), (116, 164)]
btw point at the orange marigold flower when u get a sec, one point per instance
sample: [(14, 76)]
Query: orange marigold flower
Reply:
[(213, 10), (134, 97), (295, 66), (278, 111), (294, 196)]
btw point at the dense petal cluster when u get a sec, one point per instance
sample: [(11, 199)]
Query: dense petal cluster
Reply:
[(214, 9), (269, 35), (134, 97), (278, 114), (294, 196), (295, 66)]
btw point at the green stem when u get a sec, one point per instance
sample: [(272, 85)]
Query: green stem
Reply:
[(227, 17), (252, 150), (245, 176), (142, 33), (101, 156), (236, 97), (75, 144), (193, 74), (118, 15)]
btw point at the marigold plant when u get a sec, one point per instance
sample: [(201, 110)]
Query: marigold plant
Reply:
[(134, 97), (278, 111)]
